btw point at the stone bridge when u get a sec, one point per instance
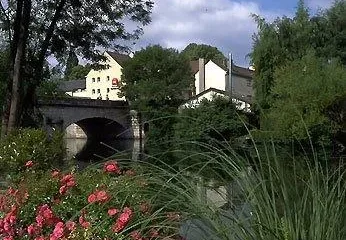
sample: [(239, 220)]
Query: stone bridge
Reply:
[(99, 119)]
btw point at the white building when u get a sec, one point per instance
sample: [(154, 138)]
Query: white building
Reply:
[(213, 79)]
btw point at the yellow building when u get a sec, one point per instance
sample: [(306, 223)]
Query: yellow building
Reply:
[(104, 84)]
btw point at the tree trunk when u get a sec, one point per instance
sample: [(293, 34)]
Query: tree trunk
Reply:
[(29, 99), (18, 66), (13, 46)]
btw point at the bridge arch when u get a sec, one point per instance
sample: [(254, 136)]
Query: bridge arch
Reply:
[(98, 119), (101, 128)]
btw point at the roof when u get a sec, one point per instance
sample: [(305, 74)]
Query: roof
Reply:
[(194, 66), (119, 57), (240, 71), (234, 95), (70, 86)]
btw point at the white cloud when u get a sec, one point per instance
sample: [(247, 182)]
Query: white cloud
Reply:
[(226, 24), (319, 4)]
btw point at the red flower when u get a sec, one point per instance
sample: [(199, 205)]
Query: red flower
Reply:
[(58, 231), (111, 167), (71, 226), (123, 220), (83, 222), (32, 230), (112, 211), (92, 198), (100, 196), (29, 164)]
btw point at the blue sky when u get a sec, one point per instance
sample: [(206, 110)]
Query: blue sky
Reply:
[(226, 24)]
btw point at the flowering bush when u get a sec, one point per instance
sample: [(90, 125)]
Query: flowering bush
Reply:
[(97, 203), (30, 144)]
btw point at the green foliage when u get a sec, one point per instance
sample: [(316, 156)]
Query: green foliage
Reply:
[(50, 89), (78, 72), (30, 144), (211, 120), (154, 81), (303, 91), (195, 51), (288, 39)]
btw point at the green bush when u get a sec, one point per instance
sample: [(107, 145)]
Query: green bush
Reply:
[(30, 144)]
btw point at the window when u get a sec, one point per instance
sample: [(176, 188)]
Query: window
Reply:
[(107, 90), (108, 78), (93, 79), (98, 91), (93, 91), (98, 79)]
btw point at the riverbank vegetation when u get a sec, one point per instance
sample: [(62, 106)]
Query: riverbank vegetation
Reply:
[(212, 171)]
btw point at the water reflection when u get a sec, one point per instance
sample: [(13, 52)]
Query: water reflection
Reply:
[(87, 151)]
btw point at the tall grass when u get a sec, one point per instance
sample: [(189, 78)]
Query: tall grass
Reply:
[(274, 196)]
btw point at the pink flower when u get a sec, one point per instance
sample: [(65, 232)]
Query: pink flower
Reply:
[(71, 226), (29, 164), (8, 238), (111, 167), (123, 220), (31, 229), (92, 198), (83, 222), (112, 211), (58, 231), (63, 189), (100, 196)]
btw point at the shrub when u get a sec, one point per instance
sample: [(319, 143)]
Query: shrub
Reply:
[(30, 144), (108, 203)]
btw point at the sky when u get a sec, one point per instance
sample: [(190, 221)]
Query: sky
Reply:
[(225, 24)]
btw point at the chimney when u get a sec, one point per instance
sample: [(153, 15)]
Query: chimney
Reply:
[(201, 68)]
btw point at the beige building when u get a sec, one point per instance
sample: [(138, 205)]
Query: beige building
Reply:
[(104, 84), (100, 84)]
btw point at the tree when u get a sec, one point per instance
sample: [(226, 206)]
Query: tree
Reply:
[(154, 81), (72, 61), (213, 120), (195, 51), (304, 92), (78, 72), (38, 29)]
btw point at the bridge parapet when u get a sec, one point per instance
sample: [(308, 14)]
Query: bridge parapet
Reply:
[(82, 102)]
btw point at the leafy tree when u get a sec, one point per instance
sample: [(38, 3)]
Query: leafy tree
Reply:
[(218, 120), (78, 72), (35, 30), (154, 81), (72, 61), (304, 92), (195, 51)]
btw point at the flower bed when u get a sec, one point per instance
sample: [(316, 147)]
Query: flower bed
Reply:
[(98, 203)]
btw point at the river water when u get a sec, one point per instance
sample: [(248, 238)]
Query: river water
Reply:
[(87, 151)]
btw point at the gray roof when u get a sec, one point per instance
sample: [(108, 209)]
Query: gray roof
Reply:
[(70, 86), (242, 72), (119, 57)]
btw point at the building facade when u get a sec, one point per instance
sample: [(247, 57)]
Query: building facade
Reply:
[(99, 84)]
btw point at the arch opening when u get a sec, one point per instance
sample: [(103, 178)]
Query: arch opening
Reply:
[(98, 129)]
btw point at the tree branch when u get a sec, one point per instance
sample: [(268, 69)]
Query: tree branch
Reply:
[(7, 20)]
